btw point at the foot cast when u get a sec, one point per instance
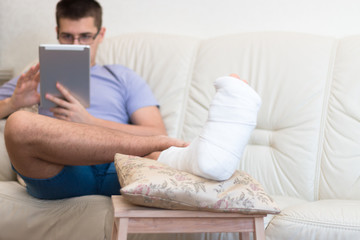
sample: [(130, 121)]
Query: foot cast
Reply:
[(216, 152)]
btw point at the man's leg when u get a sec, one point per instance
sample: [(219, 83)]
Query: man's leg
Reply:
[(40, 146), (216, 153)]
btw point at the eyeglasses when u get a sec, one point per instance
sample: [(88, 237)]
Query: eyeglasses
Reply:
[(83, 38)]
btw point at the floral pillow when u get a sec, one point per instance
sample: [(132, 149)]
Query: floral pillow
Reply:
[(150, 183)]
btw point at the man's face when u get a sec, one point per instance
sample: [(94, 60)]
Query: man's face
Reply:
[(82, 31)]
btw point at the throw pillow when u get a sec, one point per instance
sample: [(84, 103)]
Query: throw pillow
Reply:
[(149, 183)]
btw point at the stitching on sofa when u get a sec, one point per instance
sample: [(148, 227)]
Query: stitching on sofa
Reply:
[(189, 78), (330, 225), (324, 118)]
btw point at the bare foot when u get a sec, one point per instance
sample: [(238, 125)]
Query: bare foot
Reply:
[(237, 76)]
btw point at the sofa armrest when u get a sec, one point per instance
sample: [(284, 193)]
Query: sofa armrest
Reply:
[(6, 172)]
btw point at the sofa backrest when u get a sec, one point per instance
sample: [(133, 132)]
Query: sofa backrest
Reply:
[(306, 143)]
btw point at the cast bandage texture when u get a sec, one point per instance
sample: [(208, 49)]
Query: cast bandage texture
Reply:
[(216, 152)]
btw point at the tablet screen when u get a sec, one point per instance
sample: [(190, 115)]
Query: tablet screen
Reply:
[(67, 64)]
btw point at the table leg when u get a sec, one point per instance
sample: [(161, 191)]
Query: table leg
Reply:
[(244, 236), (123, 229), (259, 233)]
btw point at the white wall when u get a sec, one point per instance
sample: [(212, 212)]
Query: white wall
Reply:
[(24, 24)]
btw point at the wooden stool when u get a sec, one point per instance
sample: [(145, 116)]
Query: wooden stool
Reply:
[(129, 218)]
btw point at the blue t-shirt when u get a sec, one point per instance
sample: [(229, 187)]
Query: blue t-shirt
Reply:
[(116, 92)]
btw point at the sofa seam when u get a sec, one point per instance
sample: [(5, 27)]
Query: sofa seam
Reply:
[(188, 84), (324, 118), (330, 225)]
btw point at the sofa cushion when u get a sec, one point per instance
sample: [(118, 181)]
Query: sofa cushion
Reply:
[(341, 145), (25, 217), (323, 219), (150, 183)]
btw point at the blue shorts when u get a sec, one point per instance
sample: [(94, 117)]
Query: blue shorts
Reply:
[(75, 181)]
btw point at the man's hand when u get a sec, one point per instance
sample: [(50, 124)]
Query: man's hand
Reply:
[(69, 109), (169, 142), (25, 93)]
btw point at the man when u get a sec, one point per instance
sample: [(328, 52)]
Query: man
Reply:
[(51, 149), (59, 159), (79, 22), (118, 97)]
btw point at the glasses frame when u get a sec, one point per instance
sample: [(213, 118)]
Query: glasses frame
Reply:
[(78, 38)]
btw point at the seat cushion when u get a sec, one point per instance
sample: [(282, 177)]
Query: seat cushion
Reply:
[(324, 219), (25, 217), (151, 183)]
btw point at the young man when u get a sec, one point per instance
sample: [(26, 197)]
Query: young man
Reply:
[(59, 159), (79, 22), (52, 150), (118, 97)]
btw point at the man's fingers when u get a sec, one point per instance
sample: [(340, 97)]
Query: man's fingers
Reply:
[(20, 80), (57, 101), (59, 112), (32, 74), (37, 77), (37, 67), (65, 93), (32, 71)]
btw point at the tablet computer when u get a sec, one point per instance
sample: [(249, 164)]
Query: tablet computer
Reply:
[(67, 64)]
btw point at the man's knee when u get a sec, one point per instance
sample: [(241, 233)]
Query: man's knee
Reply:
[(21, 135), (17, 127)]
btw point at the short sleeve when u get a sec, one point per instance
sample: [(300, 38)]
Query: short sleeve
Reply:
[(7, 89), (138, 92)]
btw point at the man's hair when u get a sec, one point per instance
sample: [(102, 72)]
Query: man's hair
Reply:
[(76, 9)]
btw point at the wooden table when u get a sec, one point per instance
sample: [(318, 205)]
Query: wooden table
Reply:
[(129, 218)]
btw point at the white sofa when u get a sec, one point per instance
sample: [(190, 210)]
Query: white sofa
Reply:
[(305, 150)]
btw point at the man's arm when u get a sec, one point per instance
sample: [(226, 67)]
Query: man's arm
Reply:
[(6, 108), (47, 144), (146, 121), (25, 93)]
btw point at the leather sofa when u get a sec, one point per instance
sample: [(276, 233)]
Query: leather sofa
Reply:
[(305, 150)]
